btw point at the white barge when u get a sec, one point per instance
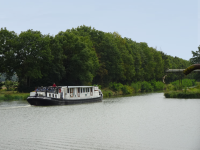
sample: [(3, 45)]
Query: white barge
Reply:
[(64, 95)]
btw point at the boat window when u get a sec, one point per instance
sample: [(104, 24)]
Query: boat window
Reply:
[(68, 90), (91, 89), (78, 90), (55, 96), (88, 89), (49, 95), (83, 90), (52, 95)]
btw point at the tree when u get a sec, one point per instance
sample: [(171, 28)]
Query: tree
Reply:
[(148, 63), (8, 44), (127, 58), (196, 56), (32, 56), (159, 65), (81, 62)]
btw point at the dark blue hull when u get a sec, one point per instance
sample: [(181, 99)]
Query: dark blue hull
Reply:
[(47, 101)]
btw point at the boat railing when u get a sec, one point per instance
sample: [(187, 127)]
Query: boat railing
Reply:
[(71, 94), (48, 89)]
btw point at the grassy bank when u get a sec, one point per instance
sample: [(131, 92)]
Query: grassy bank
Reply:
[(183, 92), (115, 89), (12, 95), (171, 89)]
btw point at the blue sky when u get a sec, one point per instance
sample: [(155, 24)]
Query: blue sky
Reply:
[(173, 26)]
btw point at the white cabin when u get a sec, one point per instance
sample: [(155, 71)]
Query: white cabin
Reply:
[(69, 92)]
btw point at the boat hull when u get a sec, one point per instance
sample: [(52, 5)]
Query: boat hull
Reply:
[(47, 101)]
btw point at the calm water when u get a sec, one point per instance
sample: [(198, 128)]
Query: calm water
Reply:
[(145, 122)]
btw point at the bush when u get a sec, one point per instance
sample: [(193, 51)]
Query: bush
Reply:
[(146, 87), (185, 83), (136, 86), (25, 97), (169, 87), (127, 89), (8, 97), (107, 93), (1, 84), (115, 86), (182, 94), (159, 86)]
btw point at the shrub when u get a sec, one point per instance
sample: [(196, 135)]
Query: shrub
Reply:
[(136, 86), (8, 97), (127, 89), (173, 94), (159, 86), (107, 93), (146, 87), (185, 83), (115, 86), (9, 85), (1, 84), (169, 87), (25, 97)]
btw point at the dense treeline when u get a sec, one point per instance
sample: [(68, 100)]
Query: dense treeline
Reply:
[(81, 56)]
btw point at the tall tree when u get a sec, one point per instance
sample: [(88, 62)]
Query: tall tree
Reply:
[(8, 45), (32, 56), (196, 56), (81, 61)]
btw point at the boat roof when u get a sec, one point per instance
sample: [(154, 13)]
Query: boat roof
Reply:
[(79, 86)]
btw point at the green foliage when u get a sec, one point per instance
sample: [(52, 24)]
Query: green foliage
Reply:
[(115, 86), (185, 83), (8, 47), (107, 93), (81, 62), (169, 87), (196, 57), (127, 89), (84, 56), (1, 84), (136, 86), (9, 85), (159, 86), (183, 94), (146, 87), (8, 97)]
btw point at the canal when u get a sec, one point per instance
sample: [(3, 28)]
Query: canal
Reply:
[(143, 122)]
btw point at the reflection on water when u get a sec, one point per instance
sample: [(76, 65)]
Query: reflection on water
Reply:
[(137, 122)]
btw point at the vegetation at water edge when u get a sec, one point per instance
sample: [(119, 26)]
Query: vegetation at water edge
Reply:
[(190, 89), (82, 56)]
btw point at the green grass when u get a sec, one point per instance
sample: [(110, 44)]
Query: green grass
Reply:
[(184, 93), (12, 95)]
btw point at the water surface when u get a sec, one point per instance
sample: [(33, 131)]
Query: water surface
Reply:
[(145, 122)]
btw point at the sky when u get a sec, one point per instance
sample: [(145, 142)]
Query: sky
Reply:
[(171, 26)]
